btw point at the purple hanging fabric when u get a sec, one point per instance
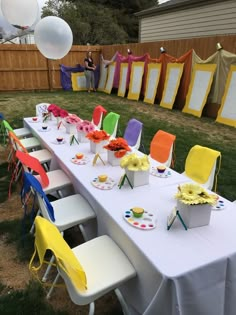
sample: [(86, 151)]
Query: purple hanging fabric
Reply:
[(66, 75), (132, 131)]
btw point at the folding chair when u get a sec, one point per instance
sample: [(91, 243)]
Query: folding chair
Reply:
[(89, 270), (200, 166), (98, 113), (44, 156), (133, 133), (19, 132), (64, 213), (52, 181), (41, 109), (162, 148), (110, 124)]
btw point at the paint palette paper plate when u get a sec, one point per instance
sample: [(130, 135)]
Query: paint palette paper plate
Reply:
[(146, 222), (108, 184), (82, 161), (34, 121), (59, 143), (165, 174), (44, 130), (220, 205)]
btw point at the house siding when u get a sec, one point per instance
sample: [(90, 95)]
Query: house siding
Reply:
[(208, 20)]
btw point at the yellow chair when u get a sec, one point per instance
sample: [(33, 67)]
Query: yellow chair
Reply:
[(200, 166), (89, 270)]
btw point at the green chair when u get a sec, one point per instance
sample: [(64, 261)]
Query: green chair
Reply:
[(110, 124)]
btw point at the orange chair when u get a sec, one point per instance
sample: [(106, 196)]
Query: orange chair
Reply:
[(162, 148)]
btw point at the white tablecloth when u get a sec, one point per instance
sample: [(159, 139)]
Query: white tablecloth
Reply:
[(178, 272)]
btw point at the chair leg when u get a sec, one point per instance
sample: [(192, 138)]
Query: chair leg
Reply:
[(53, 285), (32, 226), (45, 165), (91, 308), (44, 279), (60, 194), (122, 302), (82, 230)]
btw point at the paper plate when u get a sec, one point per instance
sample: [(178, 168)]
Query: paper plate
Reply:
[(108, 184), (165, 174), (82, 161), (146, 222), (44, 130), (220, 205), (59, 143), (34, 121)]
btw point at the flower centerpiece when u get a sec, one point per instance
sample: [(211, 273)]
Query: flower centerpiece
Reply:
[(98, 139), (194, 204), (136, 168), (70, 122), (57, 112), (116, 149), (83, 128)]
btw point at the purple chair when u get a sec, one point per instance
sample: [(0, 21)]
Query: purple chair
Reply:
[(133, 133)]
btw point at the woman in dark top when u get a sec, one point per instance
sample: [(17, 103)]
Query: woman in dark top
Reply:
[(89, 72)]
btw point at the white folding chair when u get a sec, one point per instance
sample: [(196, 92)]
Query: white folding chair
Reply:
[(89, 270), (52, 181)]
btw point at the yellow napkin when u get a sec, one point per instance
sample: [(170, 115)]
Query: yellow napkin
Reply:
[(199, 163), (47, 236)]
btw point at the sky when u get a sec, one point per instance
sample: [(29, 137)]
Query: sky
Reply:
[(9, 28)]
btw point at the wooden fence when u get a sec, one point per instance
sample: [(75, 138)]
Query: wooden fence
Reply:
[(24, 68)]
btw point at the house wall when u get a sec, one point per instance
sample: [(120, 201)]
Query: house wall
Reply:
[(207, 20)]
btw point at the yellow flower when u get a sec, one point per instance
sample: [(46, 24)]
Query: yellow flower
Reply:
[(193, 194), (144, 163), (134, 164), (124, 161)]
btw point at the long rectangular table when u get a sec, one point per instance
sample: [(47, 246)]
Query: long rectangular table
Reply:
[(178, 271)]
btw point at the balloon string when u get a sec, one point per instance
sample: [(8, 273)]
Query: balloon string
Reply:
[(53, 76)]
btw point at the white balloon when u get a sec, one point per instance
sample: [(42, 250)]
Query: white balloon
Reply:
[(20, 13), (53, 37)]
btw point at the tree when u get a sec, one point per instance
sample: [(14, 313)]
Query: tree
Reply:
[(99, 22)]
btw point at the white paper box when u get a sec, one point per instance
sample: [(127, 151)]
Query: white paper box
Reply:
[(82, 137), (194, 215), (98, 147), (112, 159), (138, 178), (70, 128)]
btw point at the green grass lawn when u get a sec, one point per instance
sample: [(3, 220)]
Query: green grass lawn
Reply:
[(188, 129)]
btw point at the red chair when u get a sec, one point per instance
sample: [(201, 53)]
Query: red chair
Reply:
[(52, 181), (98, 113)]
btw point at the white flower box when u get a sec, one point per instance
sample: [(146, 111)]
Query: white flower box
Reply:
[(82, 137), (70, 128), (138, 178), (195, 215), (98, 147), (112, 159)]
